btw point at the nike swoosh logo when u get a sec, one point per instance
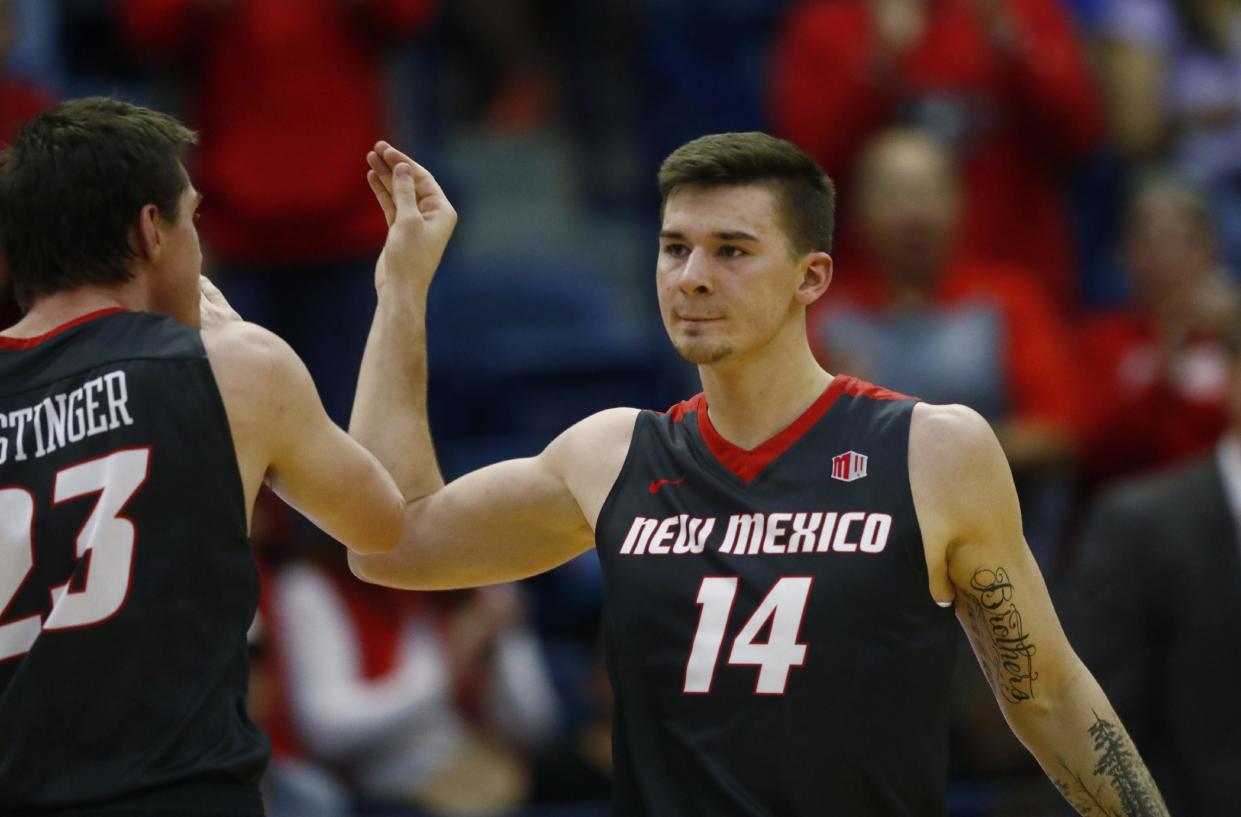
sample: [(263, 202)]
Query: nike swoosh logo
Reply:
[(656, 485)]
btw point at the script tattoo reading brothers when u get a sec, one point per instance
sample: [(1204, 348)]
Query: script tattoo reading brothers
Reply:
[(1118, 763), (995, 622)]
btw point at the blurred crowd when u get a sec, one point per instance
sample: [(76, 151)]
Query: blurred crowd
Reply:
[(1040, 217)]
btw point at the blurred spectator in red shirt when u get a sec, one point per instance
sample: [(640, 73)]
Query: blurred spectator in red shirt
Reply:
[(1002, 83), (918, 313), (19, 100), (1157, 369), (288, 97)]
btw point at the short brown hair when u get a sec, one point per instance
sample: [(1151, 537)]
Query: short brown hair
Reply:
[(71, 185), (806, 195)]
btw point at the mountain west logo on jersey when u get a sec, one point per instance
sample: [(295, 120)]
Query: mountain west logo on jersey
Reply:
[(849, 466)]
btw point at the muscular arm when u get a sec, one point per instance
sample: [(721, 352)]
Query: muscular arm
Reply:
[(503, 522), (509, 520), (283, 436), (967, 507)]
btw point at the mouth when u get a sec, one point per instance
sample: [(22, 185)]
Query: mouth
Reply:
[(697, 320)]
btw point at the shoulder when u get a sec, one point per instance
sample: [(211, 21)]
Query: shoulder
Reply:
[(952, 446), (962, 486), (589, 456), (956, 437), (259, 375), (597, 435), (245, 354), (242, 342)]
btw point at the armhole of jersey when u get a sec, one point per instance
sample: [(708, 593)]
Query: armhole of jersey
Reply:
[(222, 411), (917, 553), (620, 476)]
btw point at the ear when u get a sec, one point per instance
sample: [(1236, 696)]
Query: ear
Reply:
[(817, 278), (144, 235)]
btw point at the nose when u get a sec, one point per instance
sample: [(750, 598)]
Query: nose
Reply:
[(695, 276)]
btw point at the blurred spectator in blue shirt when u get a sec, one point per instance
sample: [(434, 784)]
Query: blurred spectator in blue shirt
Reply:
[(1174, 70)]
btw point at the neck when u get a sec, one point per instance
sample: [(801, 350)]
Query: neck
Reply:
[(59, 308), (752, 399)]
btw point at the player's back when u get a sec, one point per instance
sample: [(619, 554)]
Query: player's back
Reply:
[(126, 579), (773, 643)]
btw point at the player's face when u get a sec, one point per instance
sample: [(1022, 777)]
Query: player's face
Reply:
[(728, 281), (180, 262)]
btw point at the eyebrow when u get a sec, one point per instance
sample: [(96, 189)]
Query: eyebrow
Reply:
[(726, 235)]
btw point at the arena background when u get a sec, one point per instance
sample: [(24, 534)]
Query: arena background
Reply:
[(1040, 216)]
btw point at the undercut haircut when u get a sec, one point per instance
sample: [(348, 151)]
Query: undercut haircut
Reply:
[(73, 184), (805, 196)]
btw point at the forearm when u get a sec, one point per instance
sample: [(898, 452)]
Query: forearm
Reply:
[(1082, 746), (390, 410)]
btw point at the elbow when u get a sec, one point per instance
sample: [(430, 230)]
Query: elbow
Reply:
[(357, 566), (383, 535), (371, 570), (387, 571)]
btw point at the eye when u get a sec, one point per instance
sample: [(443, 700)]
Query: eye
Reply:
[(732, 251), (676, 250)]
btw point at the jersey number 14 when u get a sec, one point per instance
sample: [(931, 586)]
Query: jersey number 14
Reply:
[(784, 607)]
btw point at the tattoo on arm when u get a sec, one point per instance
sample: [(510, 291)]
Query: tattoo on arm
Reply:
[(1118, 764), (1003, 646)]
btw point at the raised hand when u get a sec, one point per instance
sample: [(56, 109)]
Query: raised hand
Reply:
[(420, 219), (214, 309)]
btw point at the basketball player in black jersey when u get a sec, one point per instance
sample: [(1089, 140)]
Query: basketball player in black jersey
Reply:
[(783, 554), (132, 446)]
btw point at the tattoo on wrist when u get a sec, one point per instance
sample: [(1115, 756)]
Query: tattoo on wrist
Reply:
[(1003, 645), (1118, 769)]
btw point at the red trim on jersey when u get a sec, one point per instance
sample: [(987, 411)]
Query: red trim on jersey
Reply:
[(860, 388), (27, 343), (696, 403), (749, 464)]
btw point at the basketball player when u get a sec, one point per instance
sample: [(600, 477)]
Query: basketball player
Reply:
[(132, 446), (783, 553)]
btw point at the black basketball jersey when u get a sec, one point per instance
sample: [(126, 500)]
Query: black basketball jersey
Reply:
[(126, 579), (771, 637)]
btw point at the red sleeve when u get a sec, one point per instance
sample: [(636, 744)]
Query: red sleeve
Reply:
[(158, 27), (402, 17), (1053, 86), (1043, 379), (828, 95)]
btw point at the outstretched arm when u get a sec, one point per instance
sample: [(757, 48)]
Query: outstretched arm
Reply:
[(509, 520), (390, 409), (282, 435), (967, 507), (503, 522)]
